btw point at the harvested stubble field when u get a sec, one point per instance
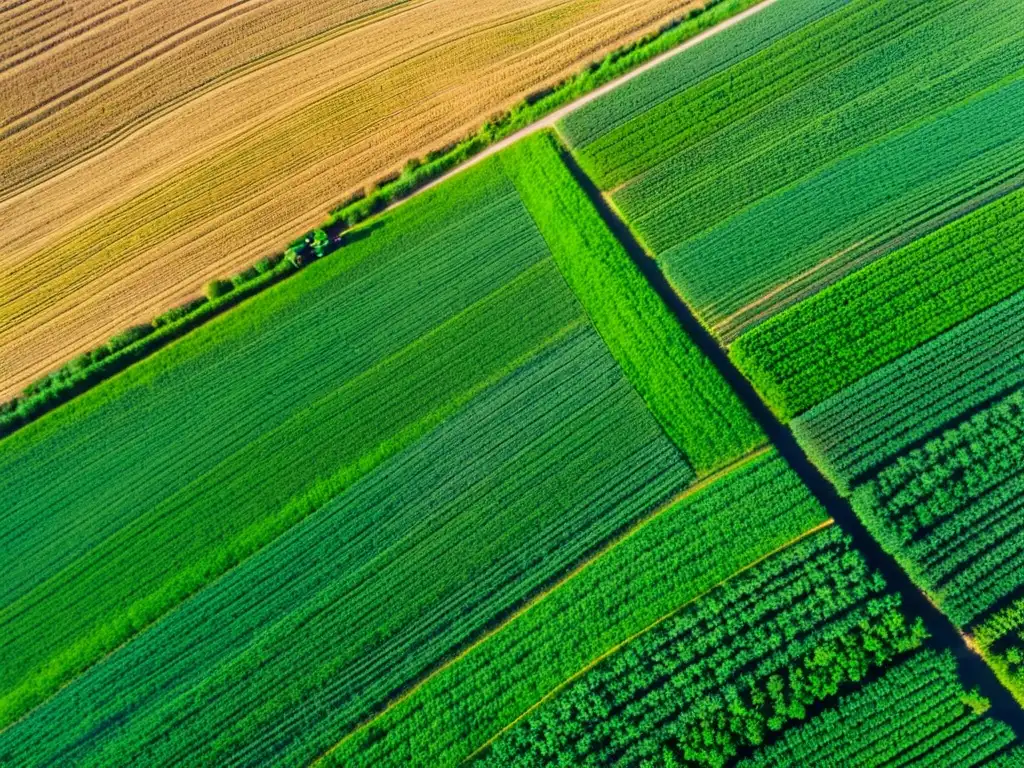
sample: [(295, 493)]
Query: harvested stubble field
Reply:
[(191, 138)]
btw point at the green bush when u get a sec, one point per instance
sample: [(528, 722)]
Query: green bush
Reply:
[(217, 288)]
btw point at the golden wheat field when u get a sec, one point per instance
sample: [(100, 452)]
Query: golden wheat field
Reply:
[(149, 145)]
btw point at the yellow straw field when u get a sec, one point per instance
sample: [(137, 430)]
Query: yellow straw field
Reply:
[(147, 146)]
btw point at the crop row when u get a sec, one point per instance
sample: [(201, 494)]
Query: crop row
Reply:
[(815, 349), (696, 543), (915, 713), (305, 638), (713, 103), (859, 203), (747, 659), (592, 121), (950, 510), (683, 389), (879, 417), (1000, 638), (935, 64)]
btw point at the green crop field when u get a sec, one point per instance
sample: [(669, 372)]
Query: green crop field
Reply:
[(719, 675), (661, 566), (951, 509), (779, 168), (881, 415), (834, 190), (682, 427), (915, 712), (521, 364)]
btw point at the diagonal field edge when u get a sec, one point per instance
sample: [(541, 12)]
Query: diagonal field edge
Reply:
[(971, 668)]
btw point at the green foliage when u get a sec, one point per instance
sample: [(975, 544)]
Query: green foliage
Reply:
[(1001, 640), (915, 712), (950, 511), (813, 350), (217, 288), (935, 63), (746, 659), (687, 549), (448, 351), (602, 132), (694, 404), (841, 215), (300, 641), (881, 415), (799, 145)]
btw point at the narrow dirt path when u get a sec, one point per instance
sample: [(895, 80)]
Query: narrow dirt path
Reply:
[(551, 120), (973, 670)]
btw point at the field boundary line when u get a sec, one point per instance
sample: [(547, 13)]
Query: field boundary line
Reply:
[(604, 549), (660, 620)]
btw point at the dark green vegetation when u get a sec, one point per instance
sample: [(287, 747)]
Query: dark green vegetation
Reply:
[(950, 510), (915, 714), (693, 545), (777, 168), (717, 677)]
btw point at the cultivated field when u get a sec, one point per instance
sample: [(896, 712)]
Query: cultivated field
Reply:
[(917, 713), (659, 567), (834, 188), (719, 675), (537, 468), (189, 139), (758, 170)]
